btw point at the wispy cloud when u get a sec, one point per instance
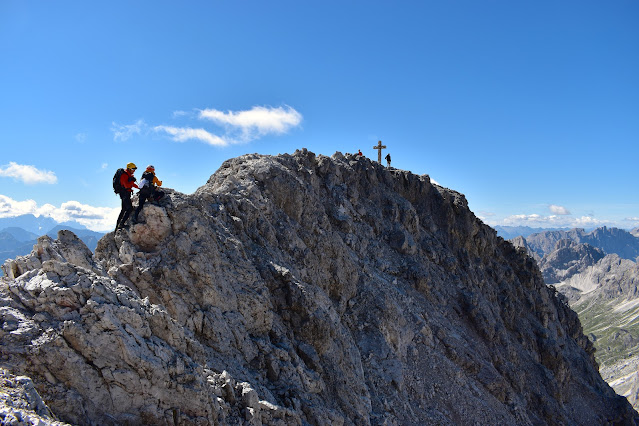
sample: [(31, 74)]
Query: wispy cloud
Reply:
[(81, 137), (183, 134), (559, 221), (256, 122), (126, 131), (485, 215), (558, 210), (96, 218), (230, 127), (180, 113), (233, 127), (27, 174)]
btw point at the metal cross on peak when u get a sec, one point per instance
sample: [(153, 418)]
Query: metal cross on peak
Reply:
[(379, 148)]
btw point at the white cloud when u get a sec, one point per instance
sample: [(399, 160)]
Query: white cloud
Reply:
[(558, 210), (125, 132), (245, 126), (101, 218), (256, 121), (237, 126), (183, 134), (558, 221), (95, 218), (104, 166), (10, 207), (27, 174)]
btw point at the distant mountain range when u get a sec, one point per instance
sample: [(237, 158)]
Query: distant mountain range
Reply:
[(510, 232), (36, 225), (598, 274), (19, 234)]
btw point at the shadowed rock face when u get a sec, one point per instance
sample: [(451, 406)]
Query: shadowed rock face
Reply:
[(301, 289)]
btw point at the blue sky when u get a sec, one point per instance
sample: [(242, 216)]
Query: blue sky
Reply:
[(529, 108)]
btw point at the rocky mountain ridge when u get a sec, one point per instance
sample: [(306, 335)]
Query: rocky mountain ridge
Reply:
[(602, 289), (16, 241), (610, 240), (568, 259), (511, 232), (300, 289)]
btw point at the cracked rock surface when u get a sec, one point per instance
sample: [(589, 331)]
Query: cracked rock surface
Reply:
[(300, 289)]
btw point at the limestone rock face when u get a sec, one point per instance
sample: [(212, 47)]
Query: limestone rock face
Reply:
[(568, 259), (66, 248), (20, 403), (155, 228), (301, 289)]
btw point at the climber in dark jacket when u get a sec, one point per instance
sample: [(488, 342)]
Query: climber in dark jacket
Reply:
[(127, 181), (148, 189)]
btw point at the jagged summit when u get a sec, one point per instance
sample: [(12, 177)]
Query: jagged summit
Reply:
[(301, 289)]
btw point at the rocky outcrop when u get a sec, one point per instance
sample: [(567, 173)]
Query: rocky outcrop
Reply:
[(520, 243), (66, 248), (301, 289), (20, 403), (568, 258)]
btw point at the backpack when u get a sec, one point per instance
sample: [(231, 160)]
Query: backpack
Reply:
[(117, 186), (147, 179)]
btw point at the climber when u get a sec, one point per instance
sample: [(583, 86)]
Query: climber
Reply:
[(123, 185), (148, 190), (359, 153), (388, 159)]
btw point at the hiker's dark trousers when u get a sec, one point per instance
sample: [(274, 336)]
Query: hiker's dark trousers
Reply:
[(143, 195), (127, 207)]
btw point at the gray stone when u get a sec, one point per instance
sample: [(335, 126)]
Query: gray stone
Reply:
[(301, 289)]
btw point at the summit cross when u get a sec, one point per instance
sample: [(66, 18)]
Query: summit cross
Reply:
[(379, 148)]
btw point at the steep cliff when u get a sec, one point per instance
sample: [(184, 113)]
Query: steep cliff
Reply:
[(300, 289)]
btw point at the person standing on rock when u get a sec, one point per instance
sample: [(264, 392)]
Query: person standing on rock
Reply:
[(127, 183), (359, 153), (388, 159), (148, 189)]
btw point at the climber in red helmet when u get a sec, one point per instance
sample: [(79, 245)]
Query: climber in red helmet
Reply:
[(127, 183)]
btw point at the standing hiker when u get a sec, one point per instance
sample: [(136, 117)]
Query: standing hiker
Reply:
[(388, 159), (123, 184), (148, 189)]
